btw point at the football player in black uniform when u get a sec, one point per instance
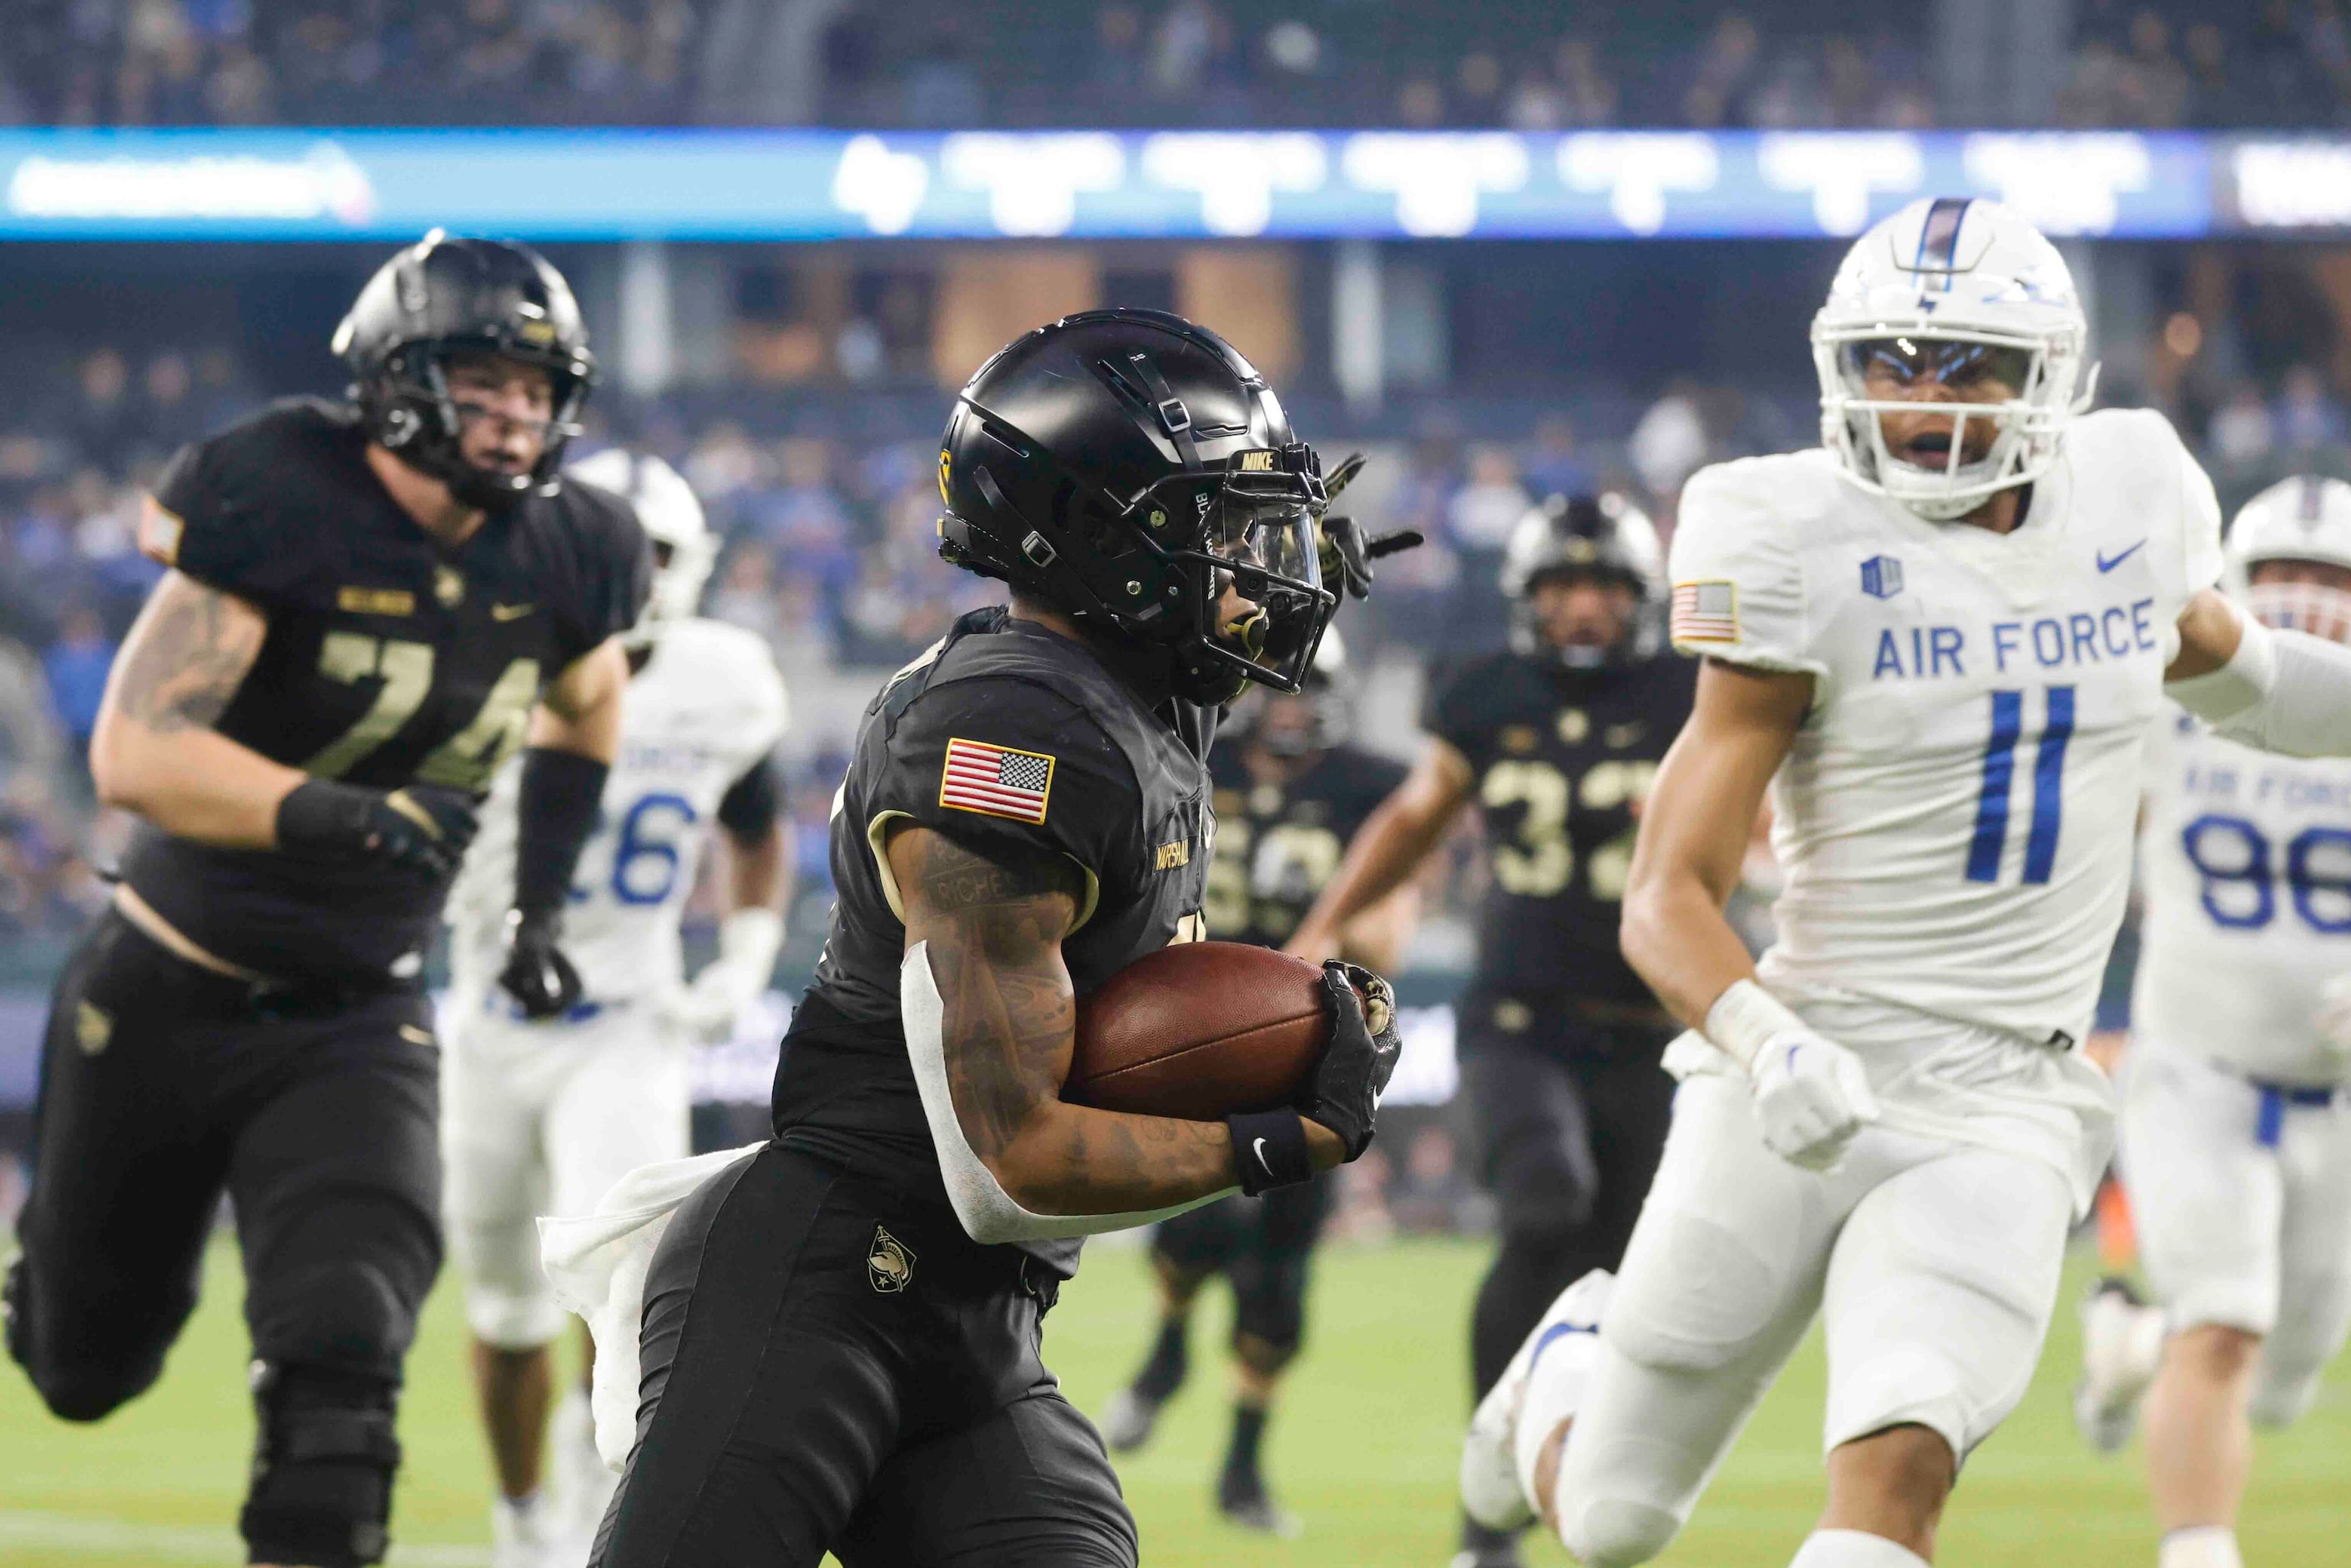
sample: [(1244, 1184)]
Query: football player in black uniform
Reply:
[(367, 606), (840, 1332), (1290, 792), (1556, 740)]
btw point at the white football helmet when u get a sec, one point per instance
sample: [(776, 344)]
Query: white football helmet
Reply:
[(2305, 518), (1953, 271), (683, 546)]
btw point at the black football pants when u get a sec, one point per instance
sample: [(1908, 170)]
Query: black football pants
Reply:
[(1264, 1245), (828, 1368), (1571, 1120), (164, 1085)]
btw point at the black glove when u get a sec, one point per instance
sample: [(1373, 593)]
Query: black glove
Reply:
[(537, 974), (1345, 1096), (1346, 552), (421, 826)]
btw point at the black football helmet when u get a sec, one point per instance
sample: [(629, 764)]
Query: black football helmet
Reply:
[(1602, 536), (444, 296), (1127, 466)]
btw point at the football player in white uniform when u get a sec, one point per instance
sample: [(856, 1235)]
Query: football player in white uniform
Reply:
[(542, 1118), (1939, 641), (2236, 1125)]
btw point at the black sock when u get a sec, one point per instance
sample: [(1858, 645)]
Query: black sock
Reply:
[(1162, 1374), (1248, 1432)]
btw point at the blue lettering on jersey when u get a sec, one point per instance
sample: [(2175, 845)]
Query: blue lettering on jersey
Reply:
[(1930, 651), (2081, 637)]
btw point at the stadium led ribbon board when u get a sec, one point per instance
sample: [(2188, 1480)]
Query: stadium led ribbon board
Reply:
[(1376, 185)]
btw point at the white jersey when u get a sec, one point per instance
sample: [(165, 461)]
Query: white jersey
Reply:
[(707, 707), (2245, 861), (1955, 817)]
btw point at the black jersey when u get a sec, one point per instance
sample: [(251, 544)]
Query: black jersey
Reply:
[(1277, 844), (390, 659), (1003, 735), (1560, 757)]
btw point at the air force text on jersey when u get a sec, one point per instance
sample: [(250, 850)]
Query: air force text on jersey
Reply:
[(2107, 635)]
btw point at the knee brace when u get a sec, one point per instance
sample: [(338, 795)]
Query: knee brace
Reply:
[(322, 1467)]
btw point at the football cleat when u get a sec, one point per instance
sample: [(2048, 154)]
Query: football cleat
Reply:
[(1490, 1492), (2122, 1345), (523, 1534), (1127, 1425), (1244, 1501)]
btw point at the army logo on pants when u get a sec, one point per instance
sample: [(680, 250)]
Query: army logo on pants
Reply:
[(891, 1265)]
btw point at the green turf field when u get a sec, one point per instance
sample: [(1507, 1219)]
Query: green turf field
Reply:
[(1365, 1450)]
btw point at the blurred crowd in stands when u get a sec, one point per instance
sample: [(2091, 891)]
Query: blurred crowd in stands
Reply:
[(830, 542), (1528, 64)]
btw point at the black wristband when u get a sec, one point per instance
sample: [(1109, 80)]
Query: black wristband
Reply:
[(556, 812), (1269, 1150), (321, 817)]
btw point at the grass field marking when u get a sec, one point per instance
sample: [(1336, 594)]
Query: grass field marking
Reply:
[(66, 1534)]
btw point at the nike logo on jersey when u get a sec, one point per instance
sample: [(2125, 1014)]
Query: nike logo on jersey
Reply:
[(2105, 565), (510, 611)]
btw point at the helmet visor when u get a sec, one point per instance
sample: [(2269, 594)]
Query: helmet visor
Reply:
[(1890, 366), (1267, 603)]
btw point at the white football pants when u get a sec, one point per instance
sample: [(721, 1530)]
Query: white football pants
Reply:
[(543, 1118), (2241, 1199), (1936, 1263)]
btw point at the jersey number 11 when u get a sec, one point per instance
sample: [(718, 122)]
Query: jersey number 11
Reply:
[(1991, 836)]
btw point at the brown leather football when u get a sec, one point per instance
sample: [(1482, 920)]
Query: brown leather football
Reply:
[(1200, 1030)]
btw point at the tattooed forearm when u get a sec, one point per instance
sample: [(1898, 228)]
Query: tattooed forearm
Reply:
[(186, 657), (994, 926)]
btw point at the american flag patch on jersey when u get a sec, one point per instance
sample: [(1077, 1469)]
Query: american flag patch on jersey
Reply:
[(1706, 613), (995, 780)]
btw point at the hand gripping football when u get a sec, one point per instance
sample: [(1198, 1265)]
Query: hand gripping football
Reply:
[(1199, 1031)]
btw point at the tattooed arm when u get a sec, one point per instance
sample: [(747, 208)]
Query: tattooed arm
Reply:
[(991, 927), (155, 751)]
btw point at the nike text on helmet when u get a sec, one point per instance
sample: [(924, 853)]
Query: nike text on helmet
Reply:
[(445, 295), (683, 546), (1601, 536), (2305, 518), (1126, 466), (1967, 286)]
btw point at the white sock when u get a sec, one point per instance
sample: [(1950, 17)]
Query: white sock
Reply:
[(2200, 1546), (1555, 1387), (1853, 1549)]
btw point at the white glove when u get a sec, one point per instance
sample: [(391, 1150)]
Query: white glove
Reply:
[(708, 1009), (2334, 1017), (1810, 1094)]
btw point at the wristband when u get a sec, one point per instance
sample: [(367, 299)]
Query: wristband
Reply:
[(556, 804), (1744, 1017), (1269, 1150)]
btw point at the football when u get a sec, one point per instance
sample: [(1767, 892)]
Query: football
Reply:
[(1199, 1031)]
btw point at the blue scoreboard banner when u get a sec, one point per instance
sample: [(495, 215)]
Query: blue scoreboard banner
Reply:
[(1208, 185)]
